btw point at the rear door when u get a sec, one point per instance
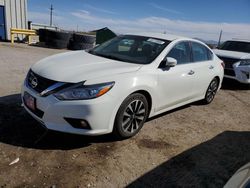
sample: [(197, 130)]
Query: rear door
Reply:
[(2, 23), (204, 67)]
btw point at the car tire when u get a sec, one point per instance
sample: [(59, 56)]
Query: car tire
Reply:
[(211, 91), (87, 39), (131, 116), (42, 35), (59, 35), (57, 44), (79, 46)]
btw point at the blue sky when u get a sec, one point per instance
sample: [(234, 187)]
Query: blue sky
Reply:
[(193, 18)]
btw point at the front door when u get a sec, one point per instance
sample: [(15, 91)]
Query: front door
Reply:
[(2, 24), (176, 85)]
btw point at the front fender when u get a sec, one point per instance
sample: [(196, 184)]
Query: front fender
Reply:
[(125, 85)]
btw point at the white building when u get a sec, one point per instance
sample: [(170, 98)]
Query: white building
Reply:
[(13, 14)]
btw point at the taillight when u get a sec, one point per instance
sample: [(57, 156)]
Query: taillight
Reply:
[(223, 64)]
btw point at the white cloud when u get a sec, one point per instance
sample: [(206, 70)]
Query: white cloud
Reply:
[(88, 18), (99, 9), (84, 20), (204, 30), (154, 5), (44, 18), (85, 12)]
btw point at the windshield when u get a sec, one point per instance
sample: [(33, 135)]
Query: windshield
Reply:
[(237, 46), (132, 49)]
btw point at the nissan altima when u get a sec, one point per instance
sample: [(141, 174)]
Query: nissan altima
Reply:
[(117, 85)]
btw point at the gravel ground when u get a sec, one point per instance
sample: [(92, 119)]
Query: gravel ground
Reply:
[(193, 146)]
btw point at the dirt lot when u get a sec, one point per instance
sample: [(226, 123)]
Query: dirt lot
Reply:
[(193, 146)]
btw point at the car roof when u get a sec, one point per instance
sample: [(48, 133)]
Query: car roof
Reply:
[(159, 35)]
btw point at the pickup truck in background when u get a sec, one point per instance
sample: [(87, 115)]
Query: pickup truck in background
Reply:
[(236, 56)]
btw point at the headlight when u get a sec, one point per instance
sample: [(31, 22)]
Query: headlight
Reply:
[(245, 62), (81, 91)]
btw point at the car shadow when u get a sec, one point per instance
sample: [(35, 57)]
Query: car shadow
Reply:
[(209, 164), (174, 110), (196, 103), (230, 84), (18, 128)]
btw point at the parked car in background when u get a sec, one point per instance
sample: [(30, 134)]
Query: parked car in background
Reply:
[(236, 56), (117, 85)]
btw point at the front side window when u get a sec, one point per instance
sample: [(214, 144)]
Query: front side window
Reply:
[(131, 48), (200, 52), (181, 52)]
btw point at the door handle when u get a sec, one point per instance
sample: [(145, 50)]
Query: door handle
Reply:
[(211, 67), (191, 72)]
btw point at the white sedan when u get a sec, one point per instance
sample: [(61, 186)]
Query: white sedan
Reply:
[(117, 85)]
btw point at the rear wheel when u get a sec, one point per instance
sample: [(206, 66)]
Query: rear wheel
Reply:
[(131, 116), (211, 91)]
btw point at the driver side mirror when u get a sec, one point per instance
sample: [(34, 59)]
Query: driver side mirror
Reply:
[(168, 62)]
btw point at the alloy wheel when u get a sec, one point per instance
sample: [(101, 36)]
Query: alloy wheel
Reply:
[(133, 116), (212, 89)]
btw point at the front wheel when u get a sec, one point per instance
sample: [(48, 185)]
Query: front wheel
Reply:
[(131, 116), (211, 91)]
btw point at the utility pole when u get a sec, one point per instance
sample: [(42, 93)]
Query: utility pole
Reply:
[(51, 14), (220, 38)]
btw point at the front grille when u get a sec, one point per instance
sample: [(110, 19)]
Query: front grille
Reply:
[(228, 62), (229, 72), (41, 82)]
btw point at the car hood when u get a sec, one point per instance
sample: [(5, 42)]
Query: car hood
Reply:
[(231, 54), (80, 66)]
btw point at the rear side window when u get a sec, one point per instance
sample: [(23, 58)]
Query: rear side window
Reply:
[(181, 52), (201, 52), (210, 55)]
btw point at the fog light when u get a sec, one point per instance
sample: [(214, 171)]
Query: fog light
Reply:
[(78, 123), (83, 124), (246, 73)]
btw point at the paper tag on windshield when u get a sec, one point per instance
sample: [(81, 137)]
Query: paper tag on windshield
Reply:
[(155, 41)]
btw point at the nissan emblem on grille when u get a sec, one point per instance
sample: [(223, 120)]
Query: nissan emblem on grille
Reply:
[(34, 82)]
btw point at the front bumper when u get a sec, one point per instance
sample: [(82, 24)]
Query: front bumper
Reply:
[(241, 73), (99, 113)]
